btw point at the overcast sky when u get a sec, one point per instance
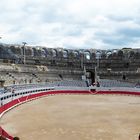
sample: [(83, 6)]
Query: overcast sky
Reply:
[(85, 24)]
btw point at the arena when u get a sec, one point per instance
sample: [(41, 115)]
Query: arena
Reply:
[(96, 93), (76, 117), (70, 70)]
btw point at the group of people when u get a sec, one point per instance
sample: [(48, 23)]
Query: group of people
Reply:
[(96, 84)]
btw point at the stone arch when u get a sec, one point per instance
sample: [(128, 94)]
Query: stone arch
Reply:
[(114, 51), (114, 54), (42, 52), (108, 54), (93, 55), (13, 49), (36, 52), (46, 51), (76, 53), (54, 53), (98, 54), (65, 53), (16, 50), (131, 54), (120, 54), (137, 55), (19, 50), (60, 53), (87, 55), (71, 54), (29, 51), (103, 55), (6, 53), (39, 52)]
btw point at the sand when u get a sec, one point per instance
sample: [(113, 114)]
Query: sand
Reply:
[(76, 117)]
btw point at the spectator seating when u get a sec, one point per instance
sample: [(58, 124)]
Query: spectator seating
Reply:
[(115, 83)]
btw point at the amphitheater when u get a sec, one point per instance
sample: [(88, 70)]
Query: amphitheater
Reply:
[(63, 94)]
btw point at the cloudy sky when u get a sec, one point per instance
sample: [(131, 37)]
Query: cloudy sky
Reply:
[(100, 24)]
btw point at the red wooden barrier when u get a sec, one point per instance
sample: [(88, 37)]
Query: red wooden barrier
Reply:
[(5, 134)]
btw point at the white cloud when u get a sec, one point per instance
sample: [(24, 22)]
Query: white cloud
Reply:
[(71, 24)]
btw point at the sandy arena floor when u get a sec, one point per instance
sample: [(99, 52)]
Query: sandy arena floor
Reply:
[(76, 117)]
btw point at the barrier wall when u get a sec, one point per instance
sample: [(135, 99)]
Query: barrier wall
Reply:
[(21, 100), (5, 134), (120, 92)]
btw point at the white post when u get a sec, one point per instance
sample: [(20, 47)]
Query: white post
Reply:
[(97, 68), (82, 62), (95, 74)]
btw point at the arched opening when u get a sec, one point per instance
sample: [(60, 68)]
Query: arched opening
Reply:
[(29, 51), (16, 50), (114, 54), (87, 55), (41, 52), (93, 55), (46, 52), (98, 55), (76, 54), (108, 54), (90, 76), (65, 54), (54, 53), (35, 52)]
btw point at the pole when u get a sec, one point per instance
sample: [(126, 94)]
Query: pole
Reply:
[(95, 74), (97, 68), (98, 63), (82, 63), (24, 55)]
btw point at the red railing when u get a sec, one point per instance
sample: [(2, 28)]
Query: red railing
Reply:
[(4, 134)]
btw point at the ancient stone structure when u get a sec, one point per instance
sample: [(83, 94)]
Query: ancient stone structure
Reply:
[(29, 64)]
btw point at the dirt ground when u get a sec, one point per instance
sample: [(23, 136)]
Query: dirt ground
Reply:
[(76, 117)]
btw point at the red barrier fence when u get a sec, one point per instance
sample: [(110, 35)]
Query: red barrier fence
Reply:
[(119, 92), (20, 100), (4, 134)]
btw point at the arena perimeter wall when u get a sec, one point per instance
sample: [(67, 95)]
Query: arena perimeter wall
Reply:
[(15, 102)]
